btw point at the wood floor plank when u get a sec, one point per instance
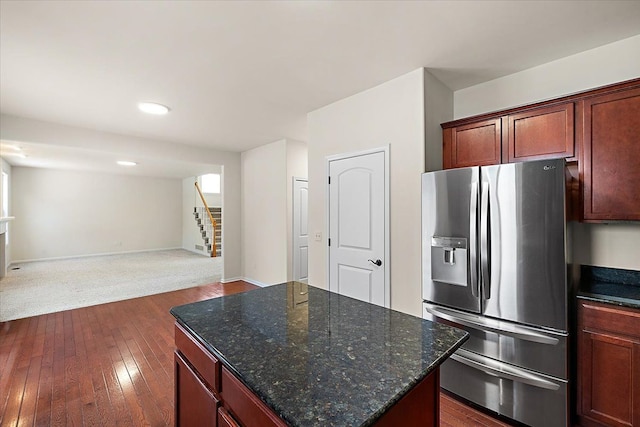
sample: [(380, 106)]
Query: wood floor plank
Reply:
[(112, 365)]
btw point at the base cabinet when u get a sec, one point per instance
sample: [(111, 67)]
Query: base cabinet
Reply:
[(197, 404), (608, 365)]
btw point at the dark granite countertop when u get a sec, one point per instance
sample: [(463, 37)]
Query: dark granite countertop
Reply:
[(318, 358), (610, 285)]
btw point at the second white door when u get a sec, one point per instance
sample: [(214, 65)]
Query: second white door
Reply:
[(357, 227)]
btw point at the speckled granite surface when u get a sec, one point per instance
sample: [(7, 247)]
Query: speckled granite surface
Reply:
[(610, 285), (318, 358)]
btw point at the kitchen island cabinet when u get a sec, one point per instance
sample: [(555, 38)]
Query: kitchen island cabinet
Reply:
[(260, 359)]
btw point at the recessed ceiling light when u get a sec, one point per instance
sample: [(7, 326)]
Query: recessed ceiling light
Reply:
[(153, 108), (126, 163)]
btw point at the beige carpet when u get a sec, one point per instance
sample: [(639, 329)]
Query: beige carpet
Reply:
[(49, 286)]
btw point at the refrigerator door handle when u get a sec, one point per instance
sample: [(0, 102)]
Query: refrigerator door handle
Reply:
[(484, 242), (484, 324), (502, 370), (473, 244)]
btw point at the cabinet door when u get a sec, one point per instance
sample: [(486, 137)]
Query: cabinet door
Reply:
[(608, 365), (195, 404), (611, 156), (476, 144), (608, 379), (541, 133)]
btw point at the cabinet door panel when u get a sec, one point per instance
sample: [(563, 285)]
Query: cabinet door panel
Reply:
[(195, 404), (476, 144), (611, 156), (608, 374), (541, 133), (608, 365)]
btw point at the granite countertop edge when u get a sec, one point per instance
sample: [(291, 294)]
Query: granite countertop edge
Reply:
[(609, 299), (612, 286)]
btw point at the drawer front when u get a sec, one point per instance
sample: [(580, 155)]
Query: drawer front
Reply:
[(200, 358), (608, 318), (247, 408), (524, 400)]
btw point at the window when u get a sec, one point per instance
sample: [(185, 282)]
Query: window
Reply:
[(211, 183)]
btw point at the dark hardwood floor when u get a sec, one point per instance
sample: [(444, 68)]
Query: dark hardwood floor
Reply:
[(112, 364)]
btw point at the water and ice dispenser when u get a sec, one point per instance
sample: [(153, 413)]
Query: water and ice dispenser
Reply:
[(449, 260)]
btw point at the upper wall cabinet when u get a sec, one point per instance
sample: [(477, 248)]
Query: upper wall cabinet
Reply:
[(610, 164), (541, 133), (598, 131), (536, 133), (475, 144)]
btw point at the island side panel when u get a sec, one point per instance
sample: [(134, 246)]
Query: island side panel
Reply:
[(420, 407)]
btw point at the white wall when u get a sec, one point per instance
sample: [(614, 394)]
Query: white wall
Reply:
[(392, 113), (608, 245), (28, 130), (67, 213), (297, 167), (264, 216), (267, 205), (5, 252), (601, 66)]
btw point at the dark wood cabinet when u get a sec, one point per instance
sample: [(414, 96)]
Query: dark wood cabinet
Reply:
[(475, 144), (207, 394), (197, 387), (541, 133), (608, 365), (538, 133), (610, 166), (597, 131), (196, 404)]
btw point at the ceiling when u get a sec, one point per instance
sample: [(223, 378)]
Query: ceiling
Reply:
[(238, 75)]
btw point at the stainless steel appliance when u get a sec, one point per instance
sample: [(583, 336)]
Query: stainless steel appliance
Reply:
[(494, 264)]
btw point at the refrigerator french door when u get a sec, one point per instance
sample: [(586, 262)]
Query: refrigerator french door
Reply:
[(494, 264)]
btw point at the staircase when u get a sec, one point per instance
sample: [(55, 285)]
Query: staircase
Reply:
[(206, 229)]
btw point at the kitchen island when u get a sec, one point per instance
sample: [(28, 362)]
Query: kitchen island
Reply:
[(296, 355)]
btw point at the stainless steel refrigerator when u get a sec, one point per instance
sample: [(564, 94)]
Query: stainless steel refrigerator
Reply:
[(494, 264)]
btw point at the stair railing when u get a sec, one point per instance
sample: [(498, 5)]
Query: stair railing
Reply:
[(213, 221)]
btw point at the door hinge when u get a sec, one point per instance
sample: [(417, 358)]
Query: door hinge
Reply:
[(329, 179), (329, 240)]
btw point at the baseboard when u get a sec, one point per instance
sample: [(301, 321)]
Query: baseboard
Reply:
[(92, 255), (245, 279)]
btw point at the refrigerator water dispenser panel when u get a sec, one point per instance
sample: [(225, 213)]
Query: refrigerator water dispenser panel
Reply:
[(449, 260)]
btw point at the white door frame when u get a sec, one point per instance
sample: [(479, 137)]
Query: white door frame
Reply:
[(387, 243)]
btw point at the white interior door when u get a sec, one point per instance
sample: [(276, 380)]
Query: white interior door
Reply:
[(300, 230), (358, 210)]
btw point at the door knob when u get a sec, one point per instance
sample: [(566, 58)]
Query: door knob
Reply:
[(376, 262)]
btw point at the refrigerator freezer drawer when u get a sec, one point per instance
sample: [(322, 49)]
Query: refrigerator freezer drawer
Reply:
[(525, 396), (532, 348)]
